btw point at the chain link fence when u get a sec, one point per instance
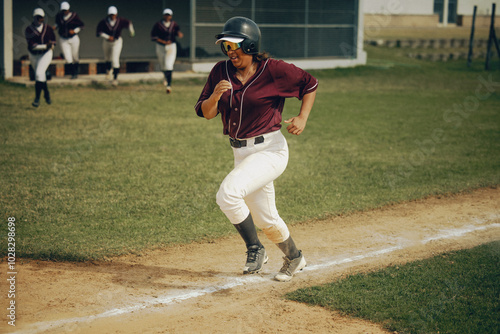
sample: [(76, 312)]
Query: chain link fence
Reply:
[(290, 28)]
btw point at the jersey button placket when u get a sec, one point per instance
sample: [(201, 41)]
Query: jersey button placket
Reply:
[(234, 123)]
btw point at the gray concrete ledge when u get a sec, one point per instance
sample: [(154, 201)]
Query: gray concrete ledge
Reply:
[(85, 80)]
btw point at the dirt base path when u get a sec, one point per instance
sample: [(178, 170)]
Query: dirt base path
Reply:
[(198, 288)]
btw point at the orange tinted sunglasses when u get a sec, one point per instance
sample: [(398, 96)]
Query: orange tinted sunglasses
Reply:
[(226, 46)]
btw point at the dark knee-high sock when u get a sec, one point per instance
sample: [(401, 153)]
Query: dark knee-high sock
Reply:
[(248, 232), (75, 69), (115, 73), (289, 249), (168, 76), (45, 90), (108, 66), (38, 89)]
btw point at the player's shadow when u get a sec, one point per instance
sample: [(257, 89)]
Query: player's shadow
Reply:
[(150, 276)]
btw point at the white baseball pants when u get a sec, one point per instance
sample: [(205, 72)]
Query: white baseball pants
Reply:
[(70, 47), (249, 187), (40, 64), (166, 56), (112, 51)]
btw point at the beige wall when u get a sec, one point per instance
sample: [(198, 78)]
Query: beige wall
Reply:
[(421, 21), (388, 21), (481, 20), (399, 7)]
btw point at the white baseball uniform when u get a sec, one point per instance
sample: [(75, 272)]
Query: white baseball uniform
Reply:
[(41, 40), (112, 49), (69, 26), (166, 56), (249, 186), (40, 64)]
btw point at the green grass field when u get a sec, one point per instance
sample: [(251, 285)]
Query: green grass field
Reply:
[(454, 292), (105, 171)]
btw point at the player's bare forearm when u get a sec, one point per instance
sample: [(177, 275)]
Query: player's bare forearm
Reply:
[(297, 124), (307, 104), (209, 106)]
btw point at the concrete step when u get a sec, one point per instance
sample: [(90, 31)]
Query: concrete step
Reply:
[(100, 79), (445, 56)]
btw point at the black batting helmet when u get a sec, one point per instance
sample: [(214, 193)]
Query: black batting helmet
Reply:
[(242, 27)]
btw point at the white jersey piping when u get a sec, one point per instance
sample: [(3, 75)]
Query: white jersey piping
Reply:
[(242, 95)]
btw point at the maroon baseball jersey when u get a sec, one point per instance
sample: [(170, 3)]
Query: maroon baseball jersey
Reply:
[(64, 26), (114, 31), (160, 31), (255, 108), (35, 37)]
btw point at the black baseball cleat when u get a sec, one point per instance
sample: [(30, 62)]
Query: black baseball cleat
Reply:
[(256, 257), (36, 103), (48, 100)]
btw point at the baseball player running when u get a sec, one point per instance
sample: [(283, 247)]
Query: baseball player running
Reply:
[(248, 90), (41, 41), (68, 25), (110, 29), (164, 33)]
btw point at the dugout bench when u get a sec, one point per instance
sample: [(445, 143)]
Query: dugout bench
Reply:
[(89, 66)]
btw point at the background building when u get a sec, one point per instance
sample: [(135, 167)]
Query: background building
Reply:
[(427, 13), (312, 34)]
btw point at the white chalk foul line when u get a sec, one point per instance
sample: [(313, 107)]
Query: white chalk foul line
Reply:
[(352, 259), (164, 300), (238, 281), (446, 234)]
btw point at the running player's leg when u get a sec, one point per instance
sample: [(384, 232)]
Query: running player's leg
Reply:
[(255, 167), (75, 53), (67, 53), (170, 61), (41, 73), (107, 50), (115, 57)]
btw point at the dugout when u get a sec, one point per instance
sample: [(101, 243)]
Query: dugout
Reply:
[(312, 34)]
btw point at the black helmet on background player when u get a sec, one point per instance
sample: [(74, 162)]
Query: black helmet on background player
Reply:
[(241, 30)]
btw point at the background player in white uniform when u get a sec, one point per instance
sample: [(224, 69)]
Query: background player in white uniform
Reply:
[(164, 33), (41, 41), (68, 24), (110, 29)]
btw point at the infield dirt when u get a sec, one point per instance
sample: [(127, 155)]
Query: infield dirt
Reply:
[(199, 288)]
